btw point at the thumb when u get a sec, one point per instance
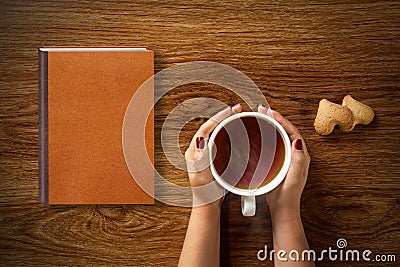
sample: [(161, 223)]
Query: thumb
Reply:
[(298, 160), (200, 160)]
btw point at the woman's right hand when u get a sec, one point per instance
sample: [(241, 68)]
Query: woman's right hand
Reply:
[(286, 197)]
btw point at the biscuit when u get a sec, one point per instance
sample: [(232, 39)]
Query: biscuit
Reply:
[(329, 115), (362, 113)]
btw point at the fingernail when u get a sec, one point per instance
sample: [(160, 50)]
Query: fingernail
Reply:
[(269, 112), (298, 144), (200, 142), (237, 105)]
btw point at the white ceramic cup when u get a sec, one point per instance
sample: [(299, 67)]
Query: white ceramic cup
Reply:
[(237, 131)]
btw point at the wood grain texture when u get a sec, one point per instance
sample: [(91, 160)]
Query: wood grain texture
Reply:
[(297, 52)]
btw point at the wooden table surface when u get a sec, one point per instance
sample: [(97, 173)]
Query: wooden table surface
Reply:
[(297, 52)]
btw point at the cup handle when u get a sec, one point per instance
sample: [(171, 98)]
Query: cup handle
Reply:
[(248, 205)]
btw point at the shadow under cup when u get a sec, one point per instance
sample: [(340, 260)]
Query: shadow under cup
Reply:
[(248, 152)]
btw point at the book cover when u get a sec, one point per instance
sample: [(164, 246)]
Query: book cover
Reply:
[(83, 96)]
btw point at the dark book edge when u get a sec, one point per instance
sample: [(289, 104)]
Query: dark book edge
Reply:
[(43, 129)]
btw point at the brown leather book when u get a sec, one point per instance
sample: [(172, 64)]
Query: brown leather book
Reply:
[(83, 97)]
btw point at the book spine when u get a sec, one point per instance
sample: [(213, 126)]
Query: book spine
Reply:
[(43, 128)]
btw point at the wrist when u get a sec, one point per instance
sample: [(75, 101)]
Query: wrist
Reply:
[(285, 214), (211, 209), (286, 207)]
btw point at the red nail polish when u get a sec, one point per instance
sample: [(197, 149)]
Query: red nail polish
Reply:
[(200, 142), (298, 144)]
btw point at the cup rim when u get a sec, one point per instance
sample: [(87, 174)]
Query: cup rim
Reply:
[(276, 180)]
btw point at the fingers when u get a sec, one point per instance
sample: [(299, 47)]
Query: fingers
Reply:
[(205, 129), (237, 108), (210, 125), (287, 125), (264, 110)]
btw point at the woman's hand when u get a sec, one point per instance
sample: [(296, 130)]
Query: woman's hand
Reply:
[(284, 201), (286, 197), (197, 156), (201, 246)]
